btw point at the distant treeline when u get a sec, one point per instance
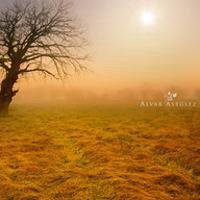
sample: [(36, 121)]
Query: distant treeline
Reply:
[(77, 95)]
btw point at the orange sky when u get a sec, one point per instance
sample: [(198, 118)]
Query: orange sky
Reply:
[(126, 54)]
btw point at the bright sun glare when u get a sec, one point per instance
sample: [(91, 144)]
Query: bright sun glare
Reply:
[(148, 18)]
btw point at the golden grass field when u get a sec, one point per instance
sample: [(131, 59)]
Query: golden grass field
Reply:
[(100, 152)]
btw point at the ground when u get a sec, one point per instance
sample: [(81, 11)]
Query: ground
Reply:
[(100, 152)]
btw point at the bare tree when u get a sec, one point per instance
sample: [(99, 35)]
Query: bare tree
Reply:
[(37, 37)]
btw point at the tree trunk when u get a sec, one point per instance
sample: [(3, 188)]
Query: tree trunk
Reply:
[(4, 105), (6, 92)]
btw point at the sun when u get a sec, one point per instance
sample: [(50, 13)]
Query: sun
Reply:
[(148, 18)]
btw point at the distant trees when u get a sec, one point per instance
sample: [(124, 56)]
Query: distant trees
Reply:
[(37, 37)]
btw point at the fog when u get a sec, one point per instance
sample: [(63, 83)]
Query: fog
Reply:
[(129, 62), (72, 92)]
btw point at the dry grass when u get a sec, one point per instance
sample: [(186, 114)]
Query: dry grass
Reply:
[(100, 152)]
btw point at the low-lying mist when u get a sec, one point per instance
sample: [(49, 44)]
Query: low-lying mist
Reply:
[(59, 93)]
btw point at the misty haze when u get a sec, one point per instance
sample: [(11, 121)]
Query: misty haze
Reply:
[(99, 100)]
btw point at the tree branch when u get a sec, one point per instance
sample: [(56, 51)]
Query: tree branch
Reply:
[(41, 32), (37, 70)]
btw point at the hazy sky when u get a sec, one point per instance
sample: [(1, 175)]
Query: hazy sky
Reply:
[(126, 53)]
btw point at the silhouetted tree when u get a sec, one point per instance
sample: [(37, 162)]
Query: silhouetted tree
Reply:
[(37, 37)]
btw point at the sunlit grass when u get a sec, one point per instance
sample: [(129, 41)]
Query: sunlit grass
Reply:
[(99, 152)]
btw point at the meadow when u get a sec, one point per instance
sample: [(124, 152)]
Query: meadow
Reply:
[(94, 152)]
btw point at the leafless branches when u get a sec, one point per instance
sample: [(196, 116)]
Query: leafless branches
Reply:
[(40, 37)]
